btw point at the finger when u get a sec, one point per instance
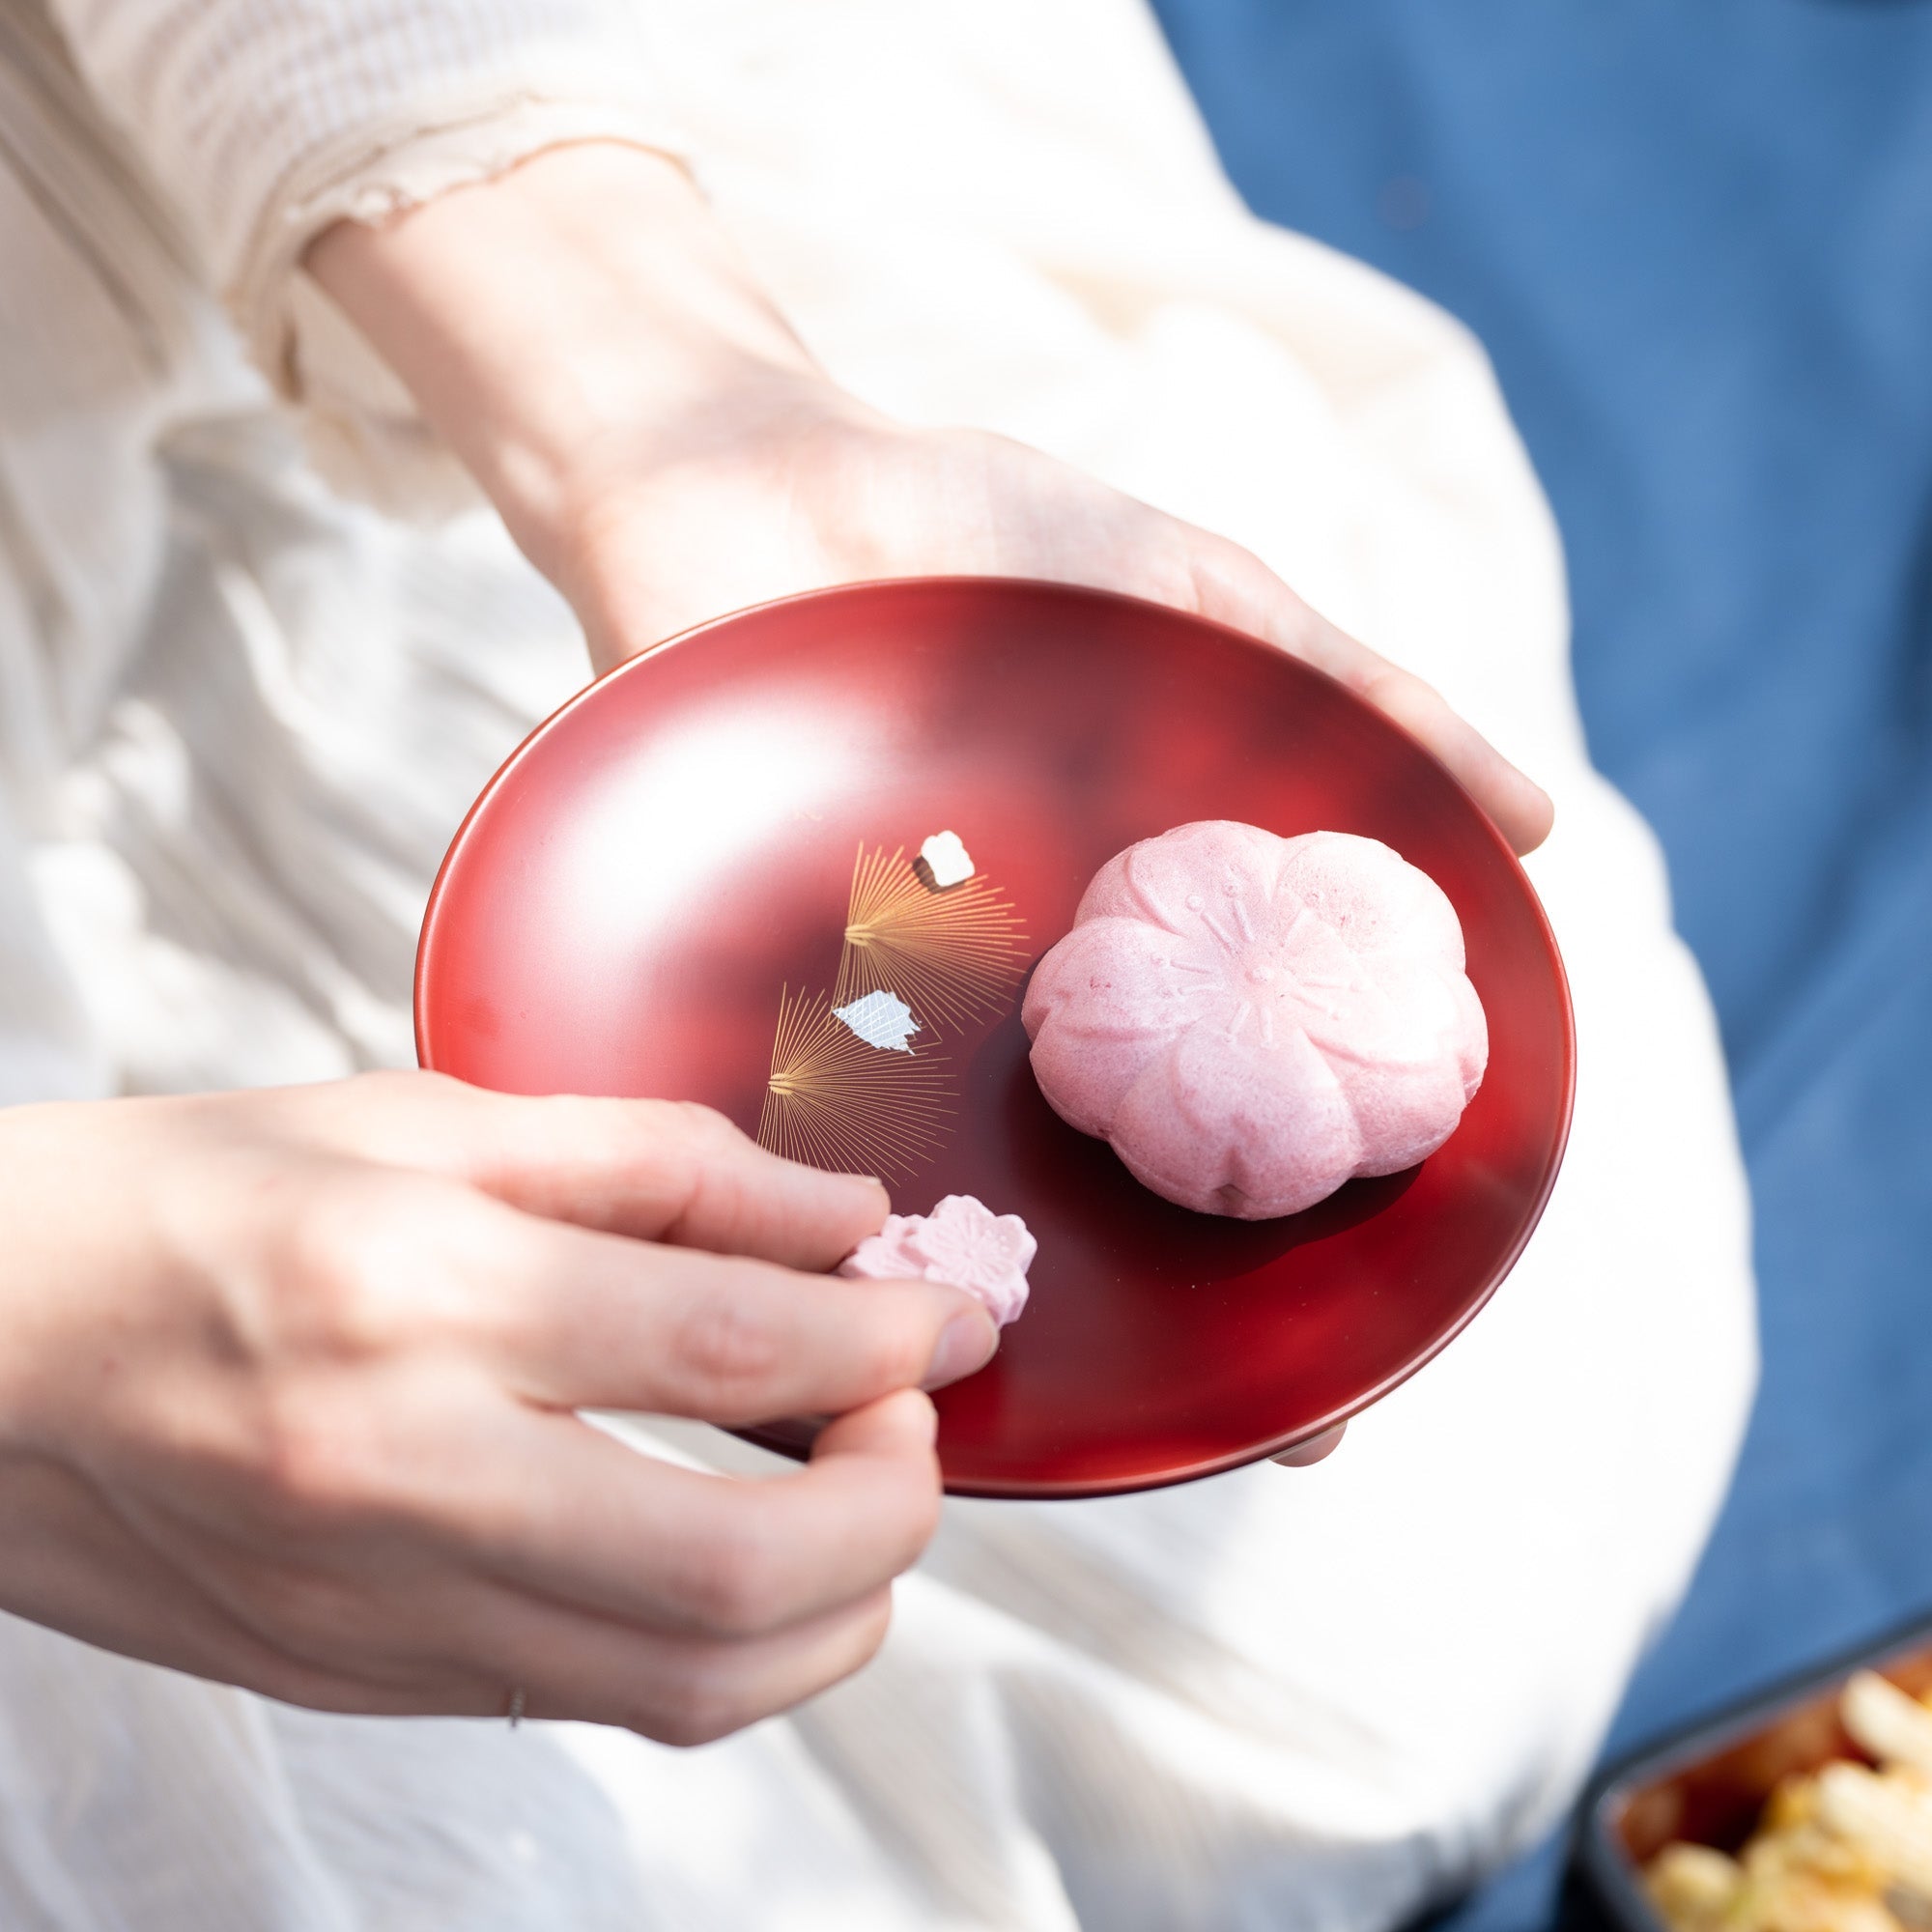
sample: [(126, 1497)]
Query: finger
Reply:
[(1304, 1455), (1235, 587), (904, 1424), (680, 1690), (580, 1320), (584, 1521), (1522, 811), (378, 1625), (657, 1170), (499, 1652), (663, 1171), (369, 1625)]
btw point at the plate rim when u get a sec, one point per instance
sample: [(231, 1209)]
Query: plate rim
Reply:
[(1169, 1476)]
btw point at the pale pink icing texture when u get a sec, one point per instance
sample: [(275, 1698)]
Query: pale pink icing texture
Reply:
[(1253, 1020), (963, 1243)]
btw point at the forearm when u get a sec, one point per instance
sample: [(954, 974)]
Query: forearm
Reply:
[(579, 321)]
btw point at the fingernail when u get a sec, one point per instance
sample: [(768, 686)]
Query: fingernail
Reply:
[(966, 1344)]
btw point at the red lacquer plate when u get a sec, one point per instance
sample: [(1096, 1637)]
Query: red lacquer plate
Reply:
[(670, 883)]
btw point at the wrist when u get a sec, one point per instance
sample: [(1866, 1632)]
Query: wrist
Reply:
[(578, 324)]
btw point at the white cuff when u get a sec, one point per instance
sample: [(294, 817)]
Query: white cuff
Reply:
[(364, 429)]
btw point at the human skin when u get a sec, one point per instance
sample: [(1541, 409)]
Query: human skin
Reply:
[(583, 336), (663, 448), (288, 1383)]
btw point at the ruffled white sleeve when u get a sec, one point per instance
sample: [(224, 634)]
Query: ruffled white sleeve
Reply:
[(264, 120)]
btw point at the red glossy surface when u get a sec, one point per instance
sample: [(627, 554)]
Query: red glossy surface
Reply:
[(619, 912)]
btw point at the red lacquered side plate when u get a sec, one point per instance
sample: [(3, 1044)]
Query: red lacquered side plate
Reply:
[(673, 881)]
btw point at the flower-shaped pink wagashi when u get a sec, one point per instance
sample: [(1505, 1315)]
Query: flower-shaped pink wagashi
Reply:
[(963, 1243), (1253, 1020)]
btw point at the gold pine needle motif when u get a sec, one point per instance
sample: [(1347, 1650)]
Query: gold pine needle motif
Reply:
[(834, 1101), (953, 957)]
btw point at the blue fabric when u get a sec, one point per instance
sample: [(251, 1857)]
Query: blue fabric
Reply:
[(1697, 242)]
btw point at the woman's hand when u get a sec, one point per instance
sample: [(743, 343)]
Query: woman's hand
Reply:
[(287, 1385), (665, 450)]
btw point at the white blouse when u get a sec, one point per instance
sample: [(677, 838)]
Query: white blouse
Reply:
[(262, 122), (239, 717)]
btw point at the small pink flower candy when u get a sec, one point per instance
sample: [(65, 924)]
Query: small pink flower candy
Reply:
[(963, 1243)]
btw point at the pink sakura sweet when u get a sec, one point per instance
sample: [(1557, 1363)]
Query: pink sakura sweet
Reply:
[(1253, 1020), (963, 1243)]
